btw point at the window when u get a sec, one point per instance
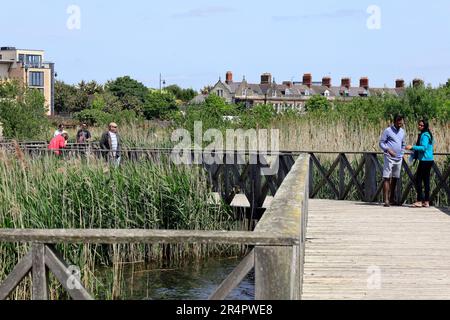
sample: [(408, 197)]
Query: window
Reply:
[(34, 60), (274, 93), (22, 58), (36, 79)]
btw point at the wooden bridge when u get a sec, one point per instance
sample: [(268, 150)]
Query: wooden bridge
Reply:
[(301, 248), (365, 251)]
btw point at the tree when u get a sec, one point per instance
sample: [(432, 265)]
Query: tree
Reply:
[(130, 92), (185, 95), (64, 97), (23, 116), (317, 103), (158, 105)]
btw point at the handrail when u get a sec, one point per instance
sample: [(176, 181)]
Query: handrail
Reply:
[(127, 236)]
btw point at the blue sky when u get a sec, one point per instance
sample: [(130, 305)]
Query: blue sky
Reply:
[(194, 42)]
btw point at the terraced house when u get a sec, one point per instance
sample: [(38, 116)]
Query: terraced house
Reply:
[(293, 95), (29, 68)]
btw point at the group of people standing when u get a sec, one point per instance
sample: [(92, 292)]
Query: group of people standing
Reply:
[(109, 143), (393, 144)]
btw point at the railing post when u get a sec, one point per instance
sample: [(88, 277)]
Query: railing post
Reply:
[(39, 273), (277, 273), (341, 177), (399, 188), (370, 178), (311, 176)]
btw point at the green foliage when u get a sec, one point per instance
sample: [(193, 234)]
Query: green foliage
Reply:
[(258, 117), (9, 89), (64, 97), (212, 113), (22, 112), (130, 92), (159, 105), (94, 117), (185, 95), (317, 103), (127, 117)]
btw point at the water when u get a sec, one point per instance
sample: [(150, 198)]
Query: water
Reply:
[(197, 281)]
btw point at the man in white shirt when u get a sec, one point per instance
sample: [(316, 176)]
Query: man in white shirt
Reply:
[(110, 144), (60, 131)]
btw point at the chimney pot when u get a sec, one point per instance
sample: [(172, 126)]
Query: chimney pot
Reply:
[(364, 83), (266, 78), (346, 82), (287, 84), (307, 80), (229, 77), (326, 82), (417, 82), (399, 84)]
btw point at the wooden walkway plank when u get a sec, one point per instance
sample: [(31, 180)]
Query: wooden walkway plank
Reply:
[(366, 251)]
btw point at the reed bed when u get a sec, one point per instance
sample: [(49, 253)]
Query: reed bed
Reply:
[(340, 134), (52, 193)]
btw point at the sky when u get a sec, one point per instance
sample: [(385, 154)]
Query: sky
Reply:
[(193, 43)]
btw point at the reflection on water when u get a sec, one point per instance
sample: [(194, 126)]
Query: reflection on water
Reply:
[(197, 281)]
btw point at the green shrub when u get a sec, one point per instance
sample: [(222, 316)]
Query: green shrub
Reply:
[(159, 105), (94, 117), (22, 112)]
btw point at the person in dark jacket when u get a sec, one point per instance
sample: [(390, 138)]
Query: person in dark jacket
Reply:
[(110, 144), (83, 135), (423, 151)]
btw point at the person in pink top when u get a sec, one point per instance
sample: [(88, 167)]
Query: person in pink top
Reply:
[(58, 143)]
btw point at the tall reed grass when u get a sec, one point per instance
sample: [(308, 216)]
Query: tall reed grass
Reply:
[(50, 193)]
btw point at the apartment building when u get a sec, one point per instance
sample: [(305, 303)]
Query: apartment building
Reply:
[(30, 68)]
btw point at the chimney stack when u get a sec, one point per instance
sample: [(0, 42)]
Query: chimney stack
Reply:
[(307, 80), (346, 82), (229, 77), (364, 83), (266, 78), (287, 84), (326, 82), (399, 84), (417, 82)]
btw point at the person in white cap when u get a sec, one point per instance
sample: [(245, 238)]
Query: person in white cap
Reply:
[(110, 144)]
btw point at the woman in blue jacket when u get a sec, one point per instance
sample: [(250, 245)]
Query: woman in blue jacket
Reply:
[(423, 152)]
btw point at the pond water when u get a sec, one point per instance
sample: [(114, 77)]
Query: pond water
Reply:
[(197, 281)]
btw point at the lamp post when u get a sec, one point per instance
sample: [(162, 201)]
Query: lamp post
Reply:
[(162, 82)]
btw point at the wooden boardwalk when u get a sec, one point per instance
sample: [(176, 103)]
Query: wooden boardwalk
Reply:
[(366, 251)]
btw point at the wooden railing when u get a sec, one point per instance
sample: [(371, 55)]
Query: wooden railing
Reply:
[(333, 175), (363, 176), (277, 257)]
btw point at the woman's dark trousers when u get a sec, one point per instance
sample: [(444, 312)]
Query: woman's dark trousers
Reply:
[(423, 177)]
